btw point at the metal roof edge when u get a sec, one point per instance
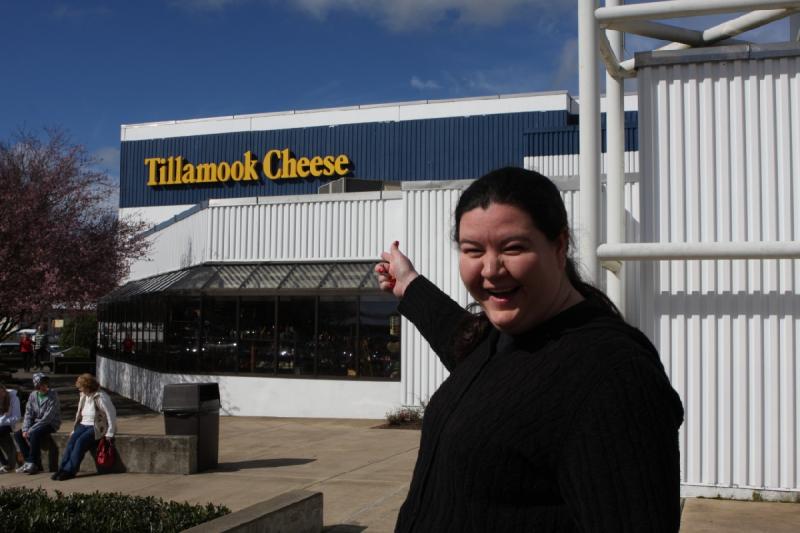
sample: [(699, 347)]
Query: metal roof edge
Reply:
[(434, 185), (123, 127), (733, 52), (176, 218)]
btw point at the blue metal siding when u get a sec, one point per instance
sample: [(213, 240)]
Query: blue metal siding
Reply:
[(565, 139), (431, 149)]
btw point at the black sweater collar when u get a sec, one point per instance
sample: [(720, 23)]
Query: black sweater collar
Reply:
[(573, 317)]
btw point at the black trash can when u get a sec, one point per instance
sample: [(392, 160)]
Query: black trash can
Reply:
[(193, 409)]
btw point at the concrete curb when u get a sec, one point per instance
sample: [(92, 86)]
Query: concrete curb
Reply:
[(298, 511)]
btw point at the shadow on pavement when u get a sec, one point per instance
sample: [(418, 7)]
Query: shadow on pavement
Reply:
[(343, 528), (261, 463)]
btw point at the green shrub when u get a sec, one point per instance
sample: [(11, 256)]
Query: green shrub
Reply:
[(80, 330), (25, 510)]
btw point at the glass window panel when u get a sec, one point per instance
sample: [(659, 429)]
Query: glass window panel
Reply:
[(370, 281), (296, 335), (379, 339), (229, 276), (336, 336), (219, 352), (257, 335), (182, 334), (306, 276), (195, 279), (154, 312), (347, 275), (267, 276)]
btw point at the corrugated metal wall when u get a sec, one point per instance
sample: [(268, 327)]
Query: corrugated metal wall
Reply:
[(720, 160), (316, 229), (182, 244), (298, 231), (630, 271), (427, 240), (565, 165)]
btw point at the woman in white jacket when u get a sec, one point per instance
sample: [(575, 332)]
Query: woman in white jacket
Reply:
[(9, 415), (96, 418)]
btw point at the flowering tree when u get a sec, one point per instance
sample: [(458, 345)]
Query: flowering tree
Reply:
[(60, 244)]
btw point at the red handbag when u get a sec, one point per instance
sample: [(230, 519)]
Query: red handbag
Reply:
[(105, 453)]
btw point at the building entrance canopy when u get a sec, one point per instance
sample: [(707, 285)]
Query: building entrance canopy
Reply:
[(261, 278)]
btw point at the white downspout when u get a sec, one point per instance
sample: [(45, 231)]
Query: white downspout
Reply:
[(615, 170)]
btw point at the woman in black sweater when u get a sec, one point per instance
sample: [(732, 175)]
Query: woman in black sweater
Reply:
[(557, 415)]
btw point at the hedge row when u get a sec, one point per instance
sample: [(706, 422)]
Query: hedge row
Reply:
[(25, 510)]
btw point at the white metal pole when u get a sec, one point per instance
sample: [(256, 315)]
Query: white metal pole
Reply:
[(669, 9), (589, 139), (727, 29), (615, 168), (652, 251)]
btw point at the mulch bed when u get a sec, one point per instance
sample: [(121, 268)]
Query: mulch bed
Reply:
[(412, 425)]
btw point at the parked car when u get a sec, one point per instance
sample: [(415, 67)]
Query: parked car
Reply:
[(7, 348)]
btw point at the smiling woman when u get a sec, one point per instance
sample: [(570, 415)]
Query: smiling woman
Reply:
[(557, 415), (511, 269)]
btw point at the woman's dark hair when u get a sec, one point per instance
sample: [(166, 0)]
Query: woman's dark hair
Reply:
[(537, 196)]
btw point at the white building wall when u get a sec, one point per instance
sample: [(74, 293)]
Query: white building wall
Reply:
[(352, 226), (183, 244), (720, 161), (260, 396), (153, 215), (427, 240)]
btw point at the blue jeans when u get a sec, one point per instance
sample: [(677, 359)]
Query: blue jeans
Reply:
[(81, 440), (5, 433), (32, 448)]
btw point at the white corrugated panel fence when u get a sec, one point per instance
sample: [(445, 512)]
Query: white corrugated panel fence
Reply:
[(720, 161)]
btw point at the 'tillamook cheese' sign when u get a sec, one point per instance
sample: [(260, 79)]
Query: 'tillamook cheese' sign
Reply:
[(276, 165)]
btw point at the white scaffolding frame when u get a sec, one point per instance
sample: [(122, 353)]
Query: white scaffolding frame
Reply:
[(600, 32)]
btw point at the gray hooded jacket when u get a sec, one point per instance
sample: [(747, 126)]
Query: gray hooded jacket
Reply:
[(41, 414)]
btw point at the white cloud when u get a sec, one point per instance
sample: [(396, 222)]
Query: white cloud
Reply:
[(404, 15), (499, 80), (424, 85), (567, 70)]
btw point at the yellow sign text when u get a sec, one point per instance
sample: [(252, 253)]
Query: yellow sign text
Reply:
[(277, 164)]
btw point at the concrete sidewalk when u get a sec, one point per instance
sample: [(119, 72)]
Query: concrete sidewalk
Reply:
[(363, 473)]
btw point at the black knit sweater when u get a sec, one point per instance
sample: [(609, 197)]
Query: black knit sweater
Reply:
[(570, 427)]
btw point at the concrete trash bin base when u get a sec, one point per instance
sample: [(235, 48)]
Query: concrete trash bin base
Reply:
[(193, 409)]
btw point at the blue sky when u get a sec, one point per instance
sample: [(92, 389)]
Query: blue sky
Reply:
[(88, 66)]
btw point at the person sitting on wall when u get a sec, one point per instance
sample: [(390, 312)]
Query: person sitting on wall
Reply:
[(26, 350), (9, 415), (95, 418), (42, 418)]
